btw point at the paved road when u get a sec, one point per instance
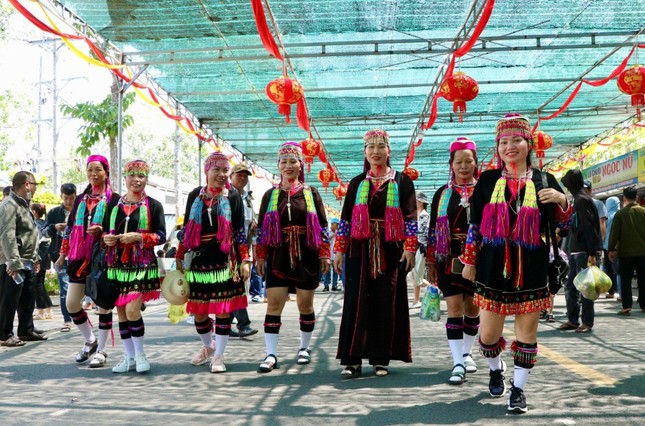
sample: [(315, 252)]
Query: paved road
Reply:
[(579, 380)]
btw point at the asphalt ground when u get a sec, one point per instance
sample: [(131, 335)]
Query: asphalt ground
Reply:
[(590, 379)]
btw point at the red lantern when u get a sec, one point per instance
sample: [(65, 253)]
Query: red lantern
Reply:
[(326, 176), (541, 142), (310, 149), (411, 172), (459, 89), (340, 191), (284, 92), (632, 82)]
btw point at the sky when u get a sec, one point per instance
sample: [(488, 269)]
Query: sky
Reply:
[(26, 61)]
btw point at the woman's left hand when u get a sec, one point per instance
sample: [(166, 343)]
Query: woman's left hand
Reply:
[(408, 260), (130, 238), (245, 270), (550, 195), (324, 266), (95, 230)]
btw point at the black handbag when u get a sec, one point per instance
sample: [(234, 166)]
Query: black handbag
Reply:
[(558, 269), (97, 286)]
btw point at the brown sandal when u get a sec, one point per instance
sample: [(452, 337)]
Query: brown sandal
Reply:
[(625, 312), (583, 329), (12, 342)]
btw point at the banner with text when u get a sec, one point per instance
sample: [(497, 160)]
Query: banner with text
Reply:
[(617, 173)]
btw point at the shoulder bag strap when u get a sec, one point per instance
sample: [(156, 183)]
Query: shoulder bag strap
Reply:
[(550, 232)]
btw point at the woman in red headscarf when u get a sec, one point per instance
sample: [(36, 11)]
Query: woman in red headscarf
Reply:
[(506, 257), (84, 230), (292, 251), (133, 226), (378, 237), (215, 238), (449, 218)]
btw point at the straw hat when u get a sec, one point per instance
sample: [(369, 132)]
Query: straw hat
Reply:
[(175, 288)]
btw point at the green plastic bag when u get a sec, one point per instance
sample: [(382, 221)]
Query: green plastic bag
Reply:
[(591, 282)]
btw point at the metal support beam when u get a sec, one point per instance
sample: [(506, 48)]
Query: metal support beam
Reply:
[(375, 48)]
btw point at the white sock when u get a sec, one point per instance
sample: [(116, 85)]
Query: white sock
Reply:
[(137, 342), (103, 338), (207, 339), (495, 363), (469, 341), (271, 342), (305, 338), (220, 343), (520, 376), (457, 349), (128, 345), (86, 332)]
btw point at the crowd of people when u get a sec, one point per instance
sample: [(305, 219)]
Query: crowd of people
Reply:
[(482, 243)]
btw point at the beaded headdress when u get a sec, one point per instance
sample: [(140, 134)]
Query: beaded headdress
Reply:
[(376, 136), (293, 150), (514, 125), (216, 159), (136, 167)]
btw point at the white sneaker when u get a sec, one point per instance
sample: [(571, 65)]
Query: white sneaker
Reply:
[(142, 363), (415, 305), (126, 364), (203, 355), (217, 364), (257, 298), (98, 360)]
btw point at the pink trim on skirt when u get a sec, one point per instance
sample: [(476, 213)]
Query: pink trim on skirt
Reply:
[(124, 299), (203, 307)]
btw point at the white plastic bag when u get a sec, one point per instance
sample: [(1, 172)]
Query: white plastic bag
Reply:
[(591, 282)]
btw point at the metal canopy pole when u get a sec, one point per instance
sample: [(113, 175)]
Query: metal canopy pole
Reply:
[(122, 87)]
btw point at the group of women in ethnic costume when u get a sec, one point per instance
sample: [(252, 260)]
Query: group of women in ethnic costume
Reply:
[(490, 225)]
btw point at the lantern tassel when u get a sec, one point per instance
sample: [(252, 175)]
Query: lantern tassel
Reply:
[(285, 109), (459, 106), (638, 101)]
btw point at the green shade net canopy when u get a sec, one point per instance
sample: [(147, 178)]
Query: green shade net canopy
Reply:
[(374, 64)]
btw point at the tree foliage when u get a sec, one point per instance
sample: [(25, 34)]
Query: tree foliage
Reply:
[(100, 121)]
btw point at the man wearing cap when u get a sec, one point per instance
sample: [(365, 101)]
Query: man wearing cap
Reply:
[(416, 275), (239, 180), (600, 206)]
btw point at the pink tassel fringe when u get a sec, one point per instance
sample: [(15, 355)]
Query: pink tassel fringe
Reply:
[(314, 231), (442, 237), (224, 234), (394, 224), (360, 222)]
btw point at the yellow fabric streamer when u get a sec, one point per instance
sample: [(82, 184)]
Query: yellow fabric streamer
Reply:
[(74, 48)]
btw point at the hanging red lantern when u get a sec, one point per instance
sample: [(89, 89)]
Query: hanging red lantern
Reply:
[(459, 89), (326, 176), (284, 92), (310, 149), (632, 82), (411, 172), (541, 142), (340, 191)]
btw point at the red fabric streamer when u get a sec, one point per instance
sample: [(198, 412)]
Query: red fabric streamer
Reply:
[(263, 30), (166, 113), (481, 24), (31, 18), (302, 116)]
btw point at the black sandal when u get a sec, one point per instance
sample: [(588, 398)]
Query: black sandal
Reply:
[(269, 363), (351, 371)]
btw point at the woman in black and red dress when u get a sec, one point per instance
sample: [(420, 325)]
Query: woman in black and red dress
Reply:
[(378, 237), (292, 251), (84, 230), (133, 226), (507, 258), (215, 237), (449, 218)]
